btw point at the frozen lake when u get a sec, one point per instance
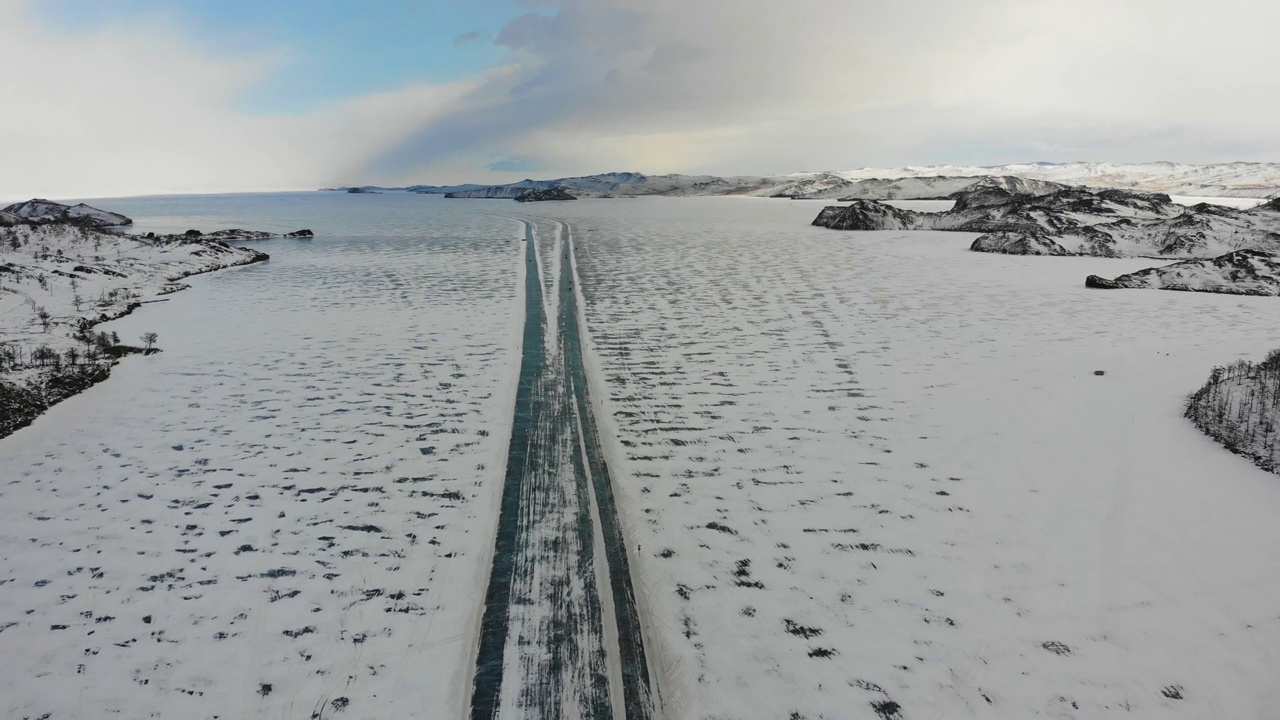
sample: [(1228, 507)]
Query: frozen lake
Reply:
[(862, 474)]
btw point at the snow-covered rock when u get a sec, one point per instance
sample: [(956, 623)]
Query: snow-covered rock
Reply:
[(1243, 272), (868, 215), (1107, 223)]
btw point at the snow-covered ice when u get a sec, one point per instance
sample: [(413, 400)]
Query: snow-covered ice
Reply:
[(865, 475), (875, 475), (287, 513)]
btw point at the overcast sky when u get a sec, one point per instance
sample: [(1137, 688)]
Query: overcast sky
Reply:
[(142, 96)]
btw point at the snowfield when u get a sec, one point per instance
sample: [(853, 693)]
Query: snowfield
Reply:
[(289, 512), (861, 475)]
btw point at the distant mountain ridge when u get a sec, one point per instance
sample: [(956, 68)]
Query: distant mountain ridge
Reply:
[(1235, 179)]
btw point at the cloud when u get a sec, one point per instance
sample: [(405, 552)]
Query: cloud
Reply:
[(749, 86), (465, 38), (758, 85), (145, 108)]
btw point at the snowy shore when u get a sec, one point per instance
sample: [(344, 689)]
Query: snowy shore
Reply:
[(62, 272)]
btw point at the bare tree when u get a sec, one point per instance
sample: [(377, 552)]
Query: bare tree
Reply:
[(44, 317), (149, 341)]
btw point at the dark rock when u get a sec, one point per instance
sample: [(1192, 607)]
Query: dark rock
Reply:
[(1095, 281), (1017, 243), (300, 233)]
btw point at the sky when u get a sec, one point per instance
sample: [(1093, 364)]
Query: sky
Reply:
[(123, 97)]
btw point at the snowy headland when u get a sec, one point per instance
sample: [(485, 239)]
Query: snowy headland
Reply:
[(62, 271)]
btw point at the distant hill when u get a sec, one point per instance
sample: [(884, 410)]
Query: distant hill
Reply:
[(1237, 179)]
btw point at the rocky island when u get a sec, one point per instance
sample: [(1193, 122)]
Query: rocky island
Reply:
[(1076, 221)]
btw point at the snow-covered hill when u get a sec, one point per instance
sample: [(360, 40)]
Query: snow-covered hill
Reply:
[(1237, 179), (1243, 272), (621, 184), (46, 211)]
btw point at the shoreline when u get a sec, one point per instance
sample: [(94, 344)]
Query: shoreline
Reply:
[(24, 401), (61, 279)]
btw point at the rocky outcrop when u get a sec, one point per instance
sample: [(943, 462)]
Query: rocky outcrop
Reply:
[(42, 212), (22, 402), (550, 194), (303, 233), (868, 215), (1108, 223), (1243, 272)]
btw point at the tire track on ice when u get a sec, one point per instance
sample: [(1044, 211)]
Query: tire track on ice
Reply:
[(560, 634)]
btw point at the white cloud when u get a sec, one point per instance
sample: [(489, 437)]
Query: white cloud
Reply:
[(760, 85), (747, 86), (144, 109)]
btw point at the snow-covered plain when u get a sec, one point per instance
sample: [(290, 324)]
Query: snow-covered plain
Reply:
[(289, 512), (865, 475), (875, 475)]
